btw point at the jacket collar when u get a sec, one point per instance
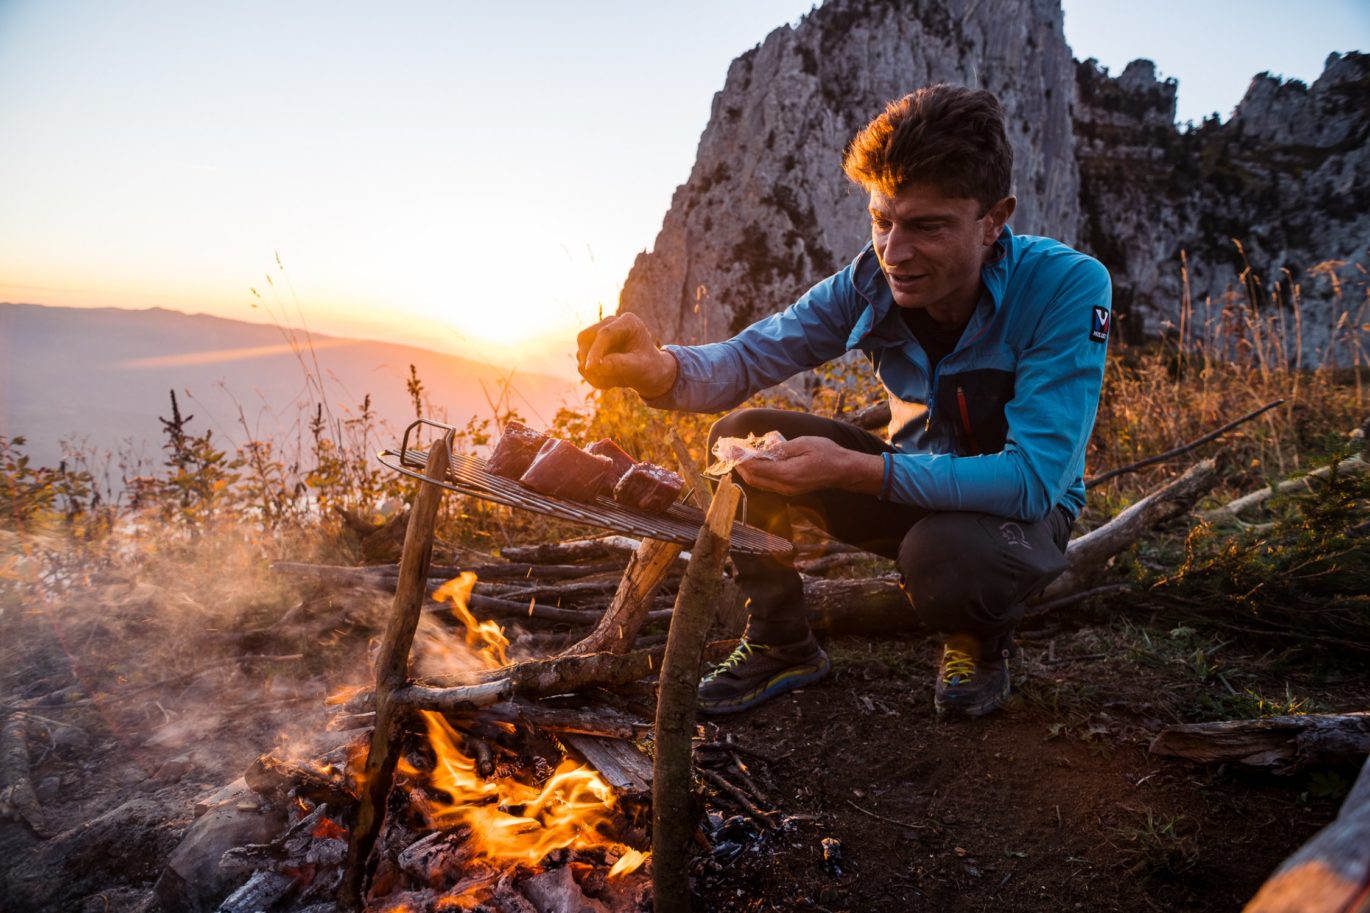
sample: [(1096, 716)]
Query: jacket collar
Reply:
[(870, 284)]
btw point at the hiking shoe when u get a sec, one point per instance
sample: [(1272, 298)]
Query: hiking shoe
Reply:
[(971, 685), (758, 672)]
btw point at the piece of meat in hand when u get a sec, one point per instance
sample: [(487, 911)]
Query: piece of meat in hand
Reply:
[(563, 470)]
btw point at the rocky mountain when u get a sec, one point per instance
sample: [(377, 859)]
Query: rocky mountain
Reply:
[(1099, 162), (1269, 209), (767, 212), (98, 378)]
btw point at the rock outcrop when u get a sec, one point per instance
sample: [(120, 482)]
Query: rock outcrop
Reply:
[(767, 211), (1278, 197), (1099, 162)]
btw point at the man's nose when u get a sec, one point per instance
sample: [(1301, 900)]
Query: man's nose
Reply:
[(899, 246)]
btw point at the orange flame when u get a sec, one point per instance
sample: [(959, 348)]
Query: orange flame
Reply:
[(514, 822), (486, 636)]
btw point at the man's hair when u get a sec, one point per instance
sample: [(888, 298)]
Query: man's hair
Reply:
[(948, 136)]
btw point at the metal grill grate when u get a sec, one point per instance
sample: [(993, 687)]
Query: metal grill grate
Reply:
[(681, 523)]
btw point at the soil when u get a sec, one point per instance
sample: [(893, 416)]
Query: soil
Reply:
[(1052, 803), (878, 805)]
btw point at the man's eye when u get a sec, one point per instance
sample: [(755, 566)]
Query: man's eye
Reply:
[(880, 224)]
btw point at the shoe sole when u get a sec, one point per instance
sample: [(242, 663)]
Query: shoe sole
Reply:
[(788, 680)]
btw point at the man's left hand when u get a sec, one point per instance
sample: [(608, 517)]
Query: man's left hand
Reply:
[(807, 464)]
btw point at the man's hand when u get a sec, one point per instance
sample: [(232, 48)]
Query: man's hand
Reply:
[(808, 464), (621, 352)]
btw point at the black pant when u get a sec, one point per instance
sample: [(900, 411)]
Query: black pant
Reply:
[(965, 573)]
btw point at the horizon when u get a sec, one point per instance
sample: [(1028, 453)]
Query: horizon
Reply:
[(337, 171)]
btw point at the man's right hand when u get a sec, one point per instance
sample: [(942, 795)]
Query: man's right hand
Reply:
[(620, 351)]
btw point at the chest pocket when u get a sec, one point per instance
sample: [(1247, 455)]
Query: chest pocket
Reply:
[(973, 403)]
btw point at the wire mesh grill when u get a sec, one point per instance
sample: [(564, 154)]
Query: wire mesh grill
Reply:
[(466, 475)]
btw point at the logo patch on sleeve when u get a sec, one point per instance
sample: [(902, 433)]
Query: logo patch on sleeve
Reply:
[(1098, 326)]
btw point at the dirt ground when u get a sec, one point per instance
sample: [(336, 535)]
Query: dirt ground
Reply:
[(1053, 803)]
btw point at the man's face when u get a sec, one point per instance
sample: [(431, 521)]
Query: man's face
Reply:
[(931, 247)]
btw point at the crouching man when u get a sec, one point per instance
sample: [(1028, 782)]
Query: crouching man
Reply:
[(991, 346)]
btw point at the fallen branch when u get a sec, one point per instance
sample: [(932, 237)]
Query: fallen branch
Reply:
[(356, 576), (870, 605), (1283, 744), (455, 699), (1087, 554), (1331, 872), (1230, 511), (815, 566), (1183, 448), (573, 550)]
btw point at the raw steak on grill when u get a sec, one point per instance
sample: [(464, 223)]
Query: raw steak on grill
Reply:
[(622, 462), (515, 452), (648, 487), (563, 470)]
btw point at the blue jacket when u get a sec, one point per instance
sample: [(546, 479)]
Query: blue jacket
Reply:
[(1000, 427)]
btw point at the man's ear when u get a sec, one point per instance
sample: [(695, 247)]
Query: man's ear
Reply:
[(998, 216)]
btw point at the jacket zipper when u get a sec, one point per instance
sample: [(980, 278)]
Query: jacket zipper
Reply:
[(965, 420)]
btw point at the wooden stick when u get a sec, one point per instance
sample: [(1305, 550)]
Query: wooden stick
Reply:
[(1182, 449), (1331, 871), (743, 801), (699, 486), (619, 626), (345, 574), (573, 550), (447, 700), (392, 669), (672, 821)]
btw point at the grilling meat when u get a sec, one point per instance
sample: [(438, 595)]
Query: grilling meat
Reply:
[(622, 463), (515, 452), (648, 487), (563, 470)]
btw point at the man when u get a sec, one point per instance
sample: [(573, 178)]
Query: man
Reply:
[(991, 346)]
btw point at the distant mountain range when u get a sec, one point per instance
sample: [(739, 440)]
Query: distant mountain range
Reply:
[(100, 377)]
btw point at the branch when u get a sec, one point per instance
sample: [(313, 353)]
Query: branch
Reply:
[(1179, 451)]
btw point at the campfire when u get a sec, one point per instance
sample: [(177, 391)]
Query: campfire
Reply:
[(487, 811), (475, 786)]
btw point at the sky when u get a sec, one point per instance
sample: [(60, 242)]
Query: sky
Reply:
[(476, 178)]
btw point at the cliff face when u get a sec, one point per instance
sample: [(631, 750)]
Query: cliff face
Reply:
[(1282, 188), (1098, 162), (767, 211)]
